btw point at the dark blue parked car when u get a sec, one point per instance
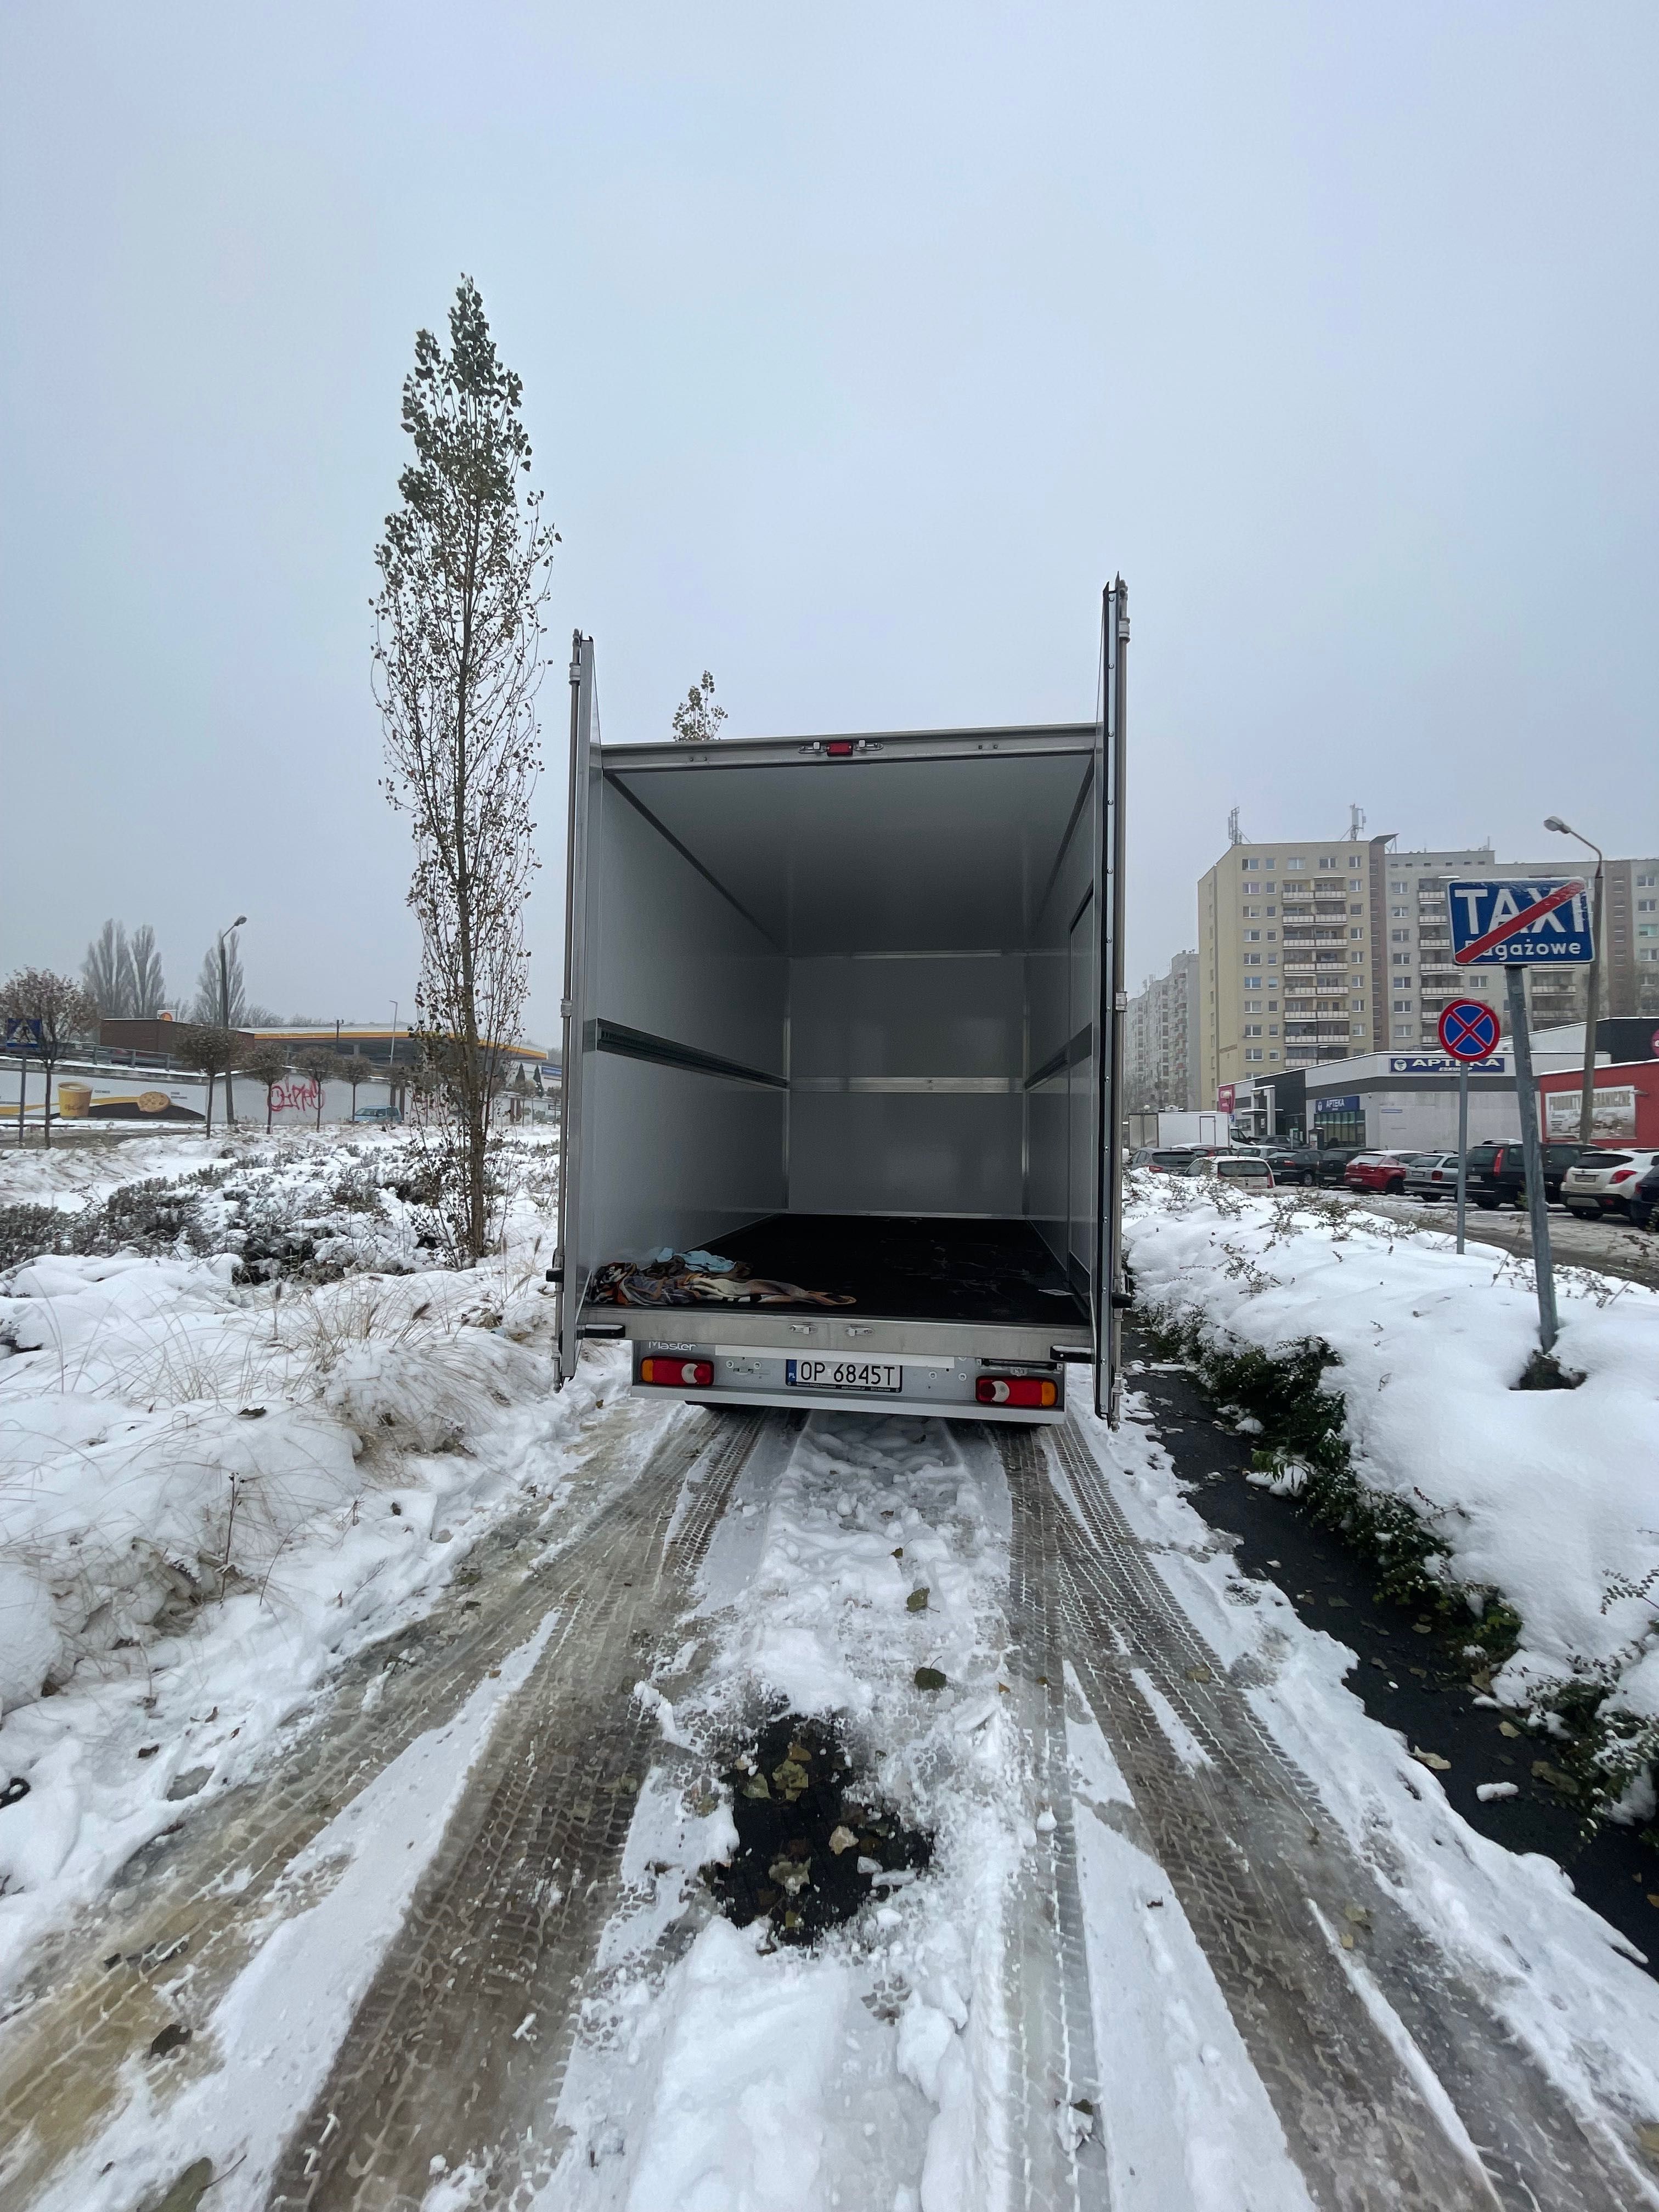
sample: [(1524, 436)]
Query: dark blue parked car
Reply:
[(1644, 1202)]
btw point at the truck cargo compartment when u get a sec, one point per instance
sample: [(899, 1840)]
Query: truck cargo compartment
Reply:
[(902, 1267), (842, 1010)]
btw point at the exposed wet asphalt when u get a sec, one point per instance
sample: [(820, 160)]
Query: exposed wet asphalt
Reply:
[(1410, 1680)]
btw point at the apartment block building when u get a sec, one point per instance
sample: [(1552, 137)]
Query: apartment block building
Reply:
[(1422, 977), (1161, 1064), (1310, 952), (1315, 951), (1630, 938)]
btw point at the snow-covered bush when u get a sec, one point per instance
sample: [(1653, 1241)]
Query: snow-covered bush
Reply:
[(1391, 1369)]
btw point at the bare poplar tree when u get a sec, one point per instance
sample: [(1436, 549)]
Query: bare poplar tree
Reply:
[(209, 1005), (64, 1012), (107, 973), (697, 719), (464, 569), (149, 990)]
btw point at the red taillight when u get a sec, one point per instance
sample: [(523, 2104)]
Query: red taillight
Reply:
[(681, 1373), (1016, 1390), (1439, 1175), (839, 748), (1621, 1175)]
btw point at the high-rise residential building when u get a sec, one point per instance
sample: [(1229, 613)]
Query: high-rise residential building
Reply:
[(1555, 996), (1161, 1068), (1630, 938), (1312, 952)]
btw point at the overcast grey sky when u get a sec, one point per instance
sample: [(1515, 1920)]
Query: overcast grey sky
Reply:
[(861, 346)]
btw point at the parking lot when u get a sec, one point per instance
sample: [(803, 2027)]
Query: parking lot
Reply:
[(1612, 1246)]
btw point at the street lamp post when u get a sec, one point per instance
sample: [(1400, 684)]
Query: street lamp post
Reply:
[(224, 1011), (1592, 983), (392, 1061)]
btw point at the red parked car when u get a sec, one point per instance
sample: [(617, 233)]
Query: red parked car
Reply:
[(1384, 1171)]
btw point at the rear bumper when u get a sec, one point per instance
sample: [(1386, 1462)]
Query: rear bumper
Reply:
[(938, 1364), (865, 1401)]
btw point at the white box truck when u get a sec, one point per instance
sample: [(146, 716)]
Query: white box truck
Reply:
[(1171, 1131), (842, 1023)]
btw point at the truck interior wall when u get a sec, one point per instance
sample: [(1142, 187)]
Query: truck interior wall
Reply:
[(677, 958), (866, 1033), (676, 1156), (1059, 1108)]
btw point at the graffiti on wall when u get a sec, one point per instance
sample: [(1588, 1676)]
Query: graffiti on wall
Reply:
[(296, 1097)]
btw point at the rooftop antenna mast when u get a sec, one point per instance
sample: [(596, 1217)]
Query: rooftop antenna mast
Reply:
[(1234, 835), (1356, 823)]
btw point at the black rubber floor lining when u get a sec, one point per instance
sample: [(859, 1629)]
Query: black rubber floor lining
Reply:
[(906, 1268)]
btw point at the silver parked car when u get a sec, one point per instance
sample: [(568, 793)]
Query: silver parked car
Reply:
[(1248, 1171), (1430, 1175), (1602, 1181)]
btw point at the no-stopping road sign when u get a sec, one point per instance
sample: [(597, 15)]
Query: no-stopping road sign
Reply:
[(1468, 1031), (1499, 922)]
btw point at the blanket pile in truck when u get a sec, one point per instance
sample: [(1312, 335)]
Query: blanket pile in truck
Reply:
[(698, 1279)]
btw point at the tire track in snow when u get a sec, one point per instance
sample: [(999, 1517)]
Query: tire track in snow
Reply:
[(1256, 1862), (457, 2053), (1058, 2163), (182, 1919)]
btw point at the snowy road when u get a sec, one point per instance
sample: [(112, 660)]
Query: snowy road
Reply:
[(1196, 1936), (1610, 1247)]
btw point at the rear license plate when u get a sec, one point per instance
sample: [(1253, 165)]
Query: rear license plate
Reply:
[(842, 1374)]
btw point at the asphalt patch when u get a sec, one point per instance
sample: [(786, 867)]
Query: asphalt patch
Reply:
[(1410, 1675), (816, 1843)]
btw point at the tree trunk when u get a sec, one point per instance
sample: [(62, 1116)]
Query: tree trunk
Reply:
[(46, 1103), (269, 1087), (210, 1109)]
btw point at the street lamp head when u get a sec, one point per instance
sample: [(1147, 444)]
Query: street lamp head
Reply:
[(239, 919), (1554, 822)]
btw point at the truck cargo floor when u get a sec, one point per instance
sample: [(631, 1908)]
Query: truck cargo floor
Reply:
[(909, 1267)]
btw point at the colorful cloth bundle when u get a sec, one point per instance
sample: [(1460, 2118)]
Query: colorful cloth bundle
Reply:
[(698, 1279)]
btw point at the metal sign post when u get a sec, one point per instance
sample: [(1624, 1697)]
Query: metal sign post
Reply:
[(1462, 1149), (1468, 1031), (23, 1037), (1532, 1153), (1514, 925)]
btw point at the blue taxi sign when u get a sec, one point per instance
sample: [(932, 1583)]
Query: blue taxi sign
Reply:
[(1508, 922)]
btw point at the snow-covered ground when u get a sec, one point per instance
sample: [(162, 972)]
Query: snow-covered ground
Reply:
[(213, 1497), (1546, 1497)]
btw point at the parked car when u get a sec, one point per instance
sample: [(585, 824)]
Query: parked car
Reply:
[(1333, 1161), (1383, 1171), (1248, 1170), (1644, 1202), (1292, 1164), (381, 1116), (1430, 1175), (1601, 1182), (1498, 1173), (1172, 1162)]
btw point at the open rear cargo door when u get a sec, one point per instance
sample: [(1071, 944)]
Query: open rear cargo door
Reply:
[(1107, 1282), (576, 1257)]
